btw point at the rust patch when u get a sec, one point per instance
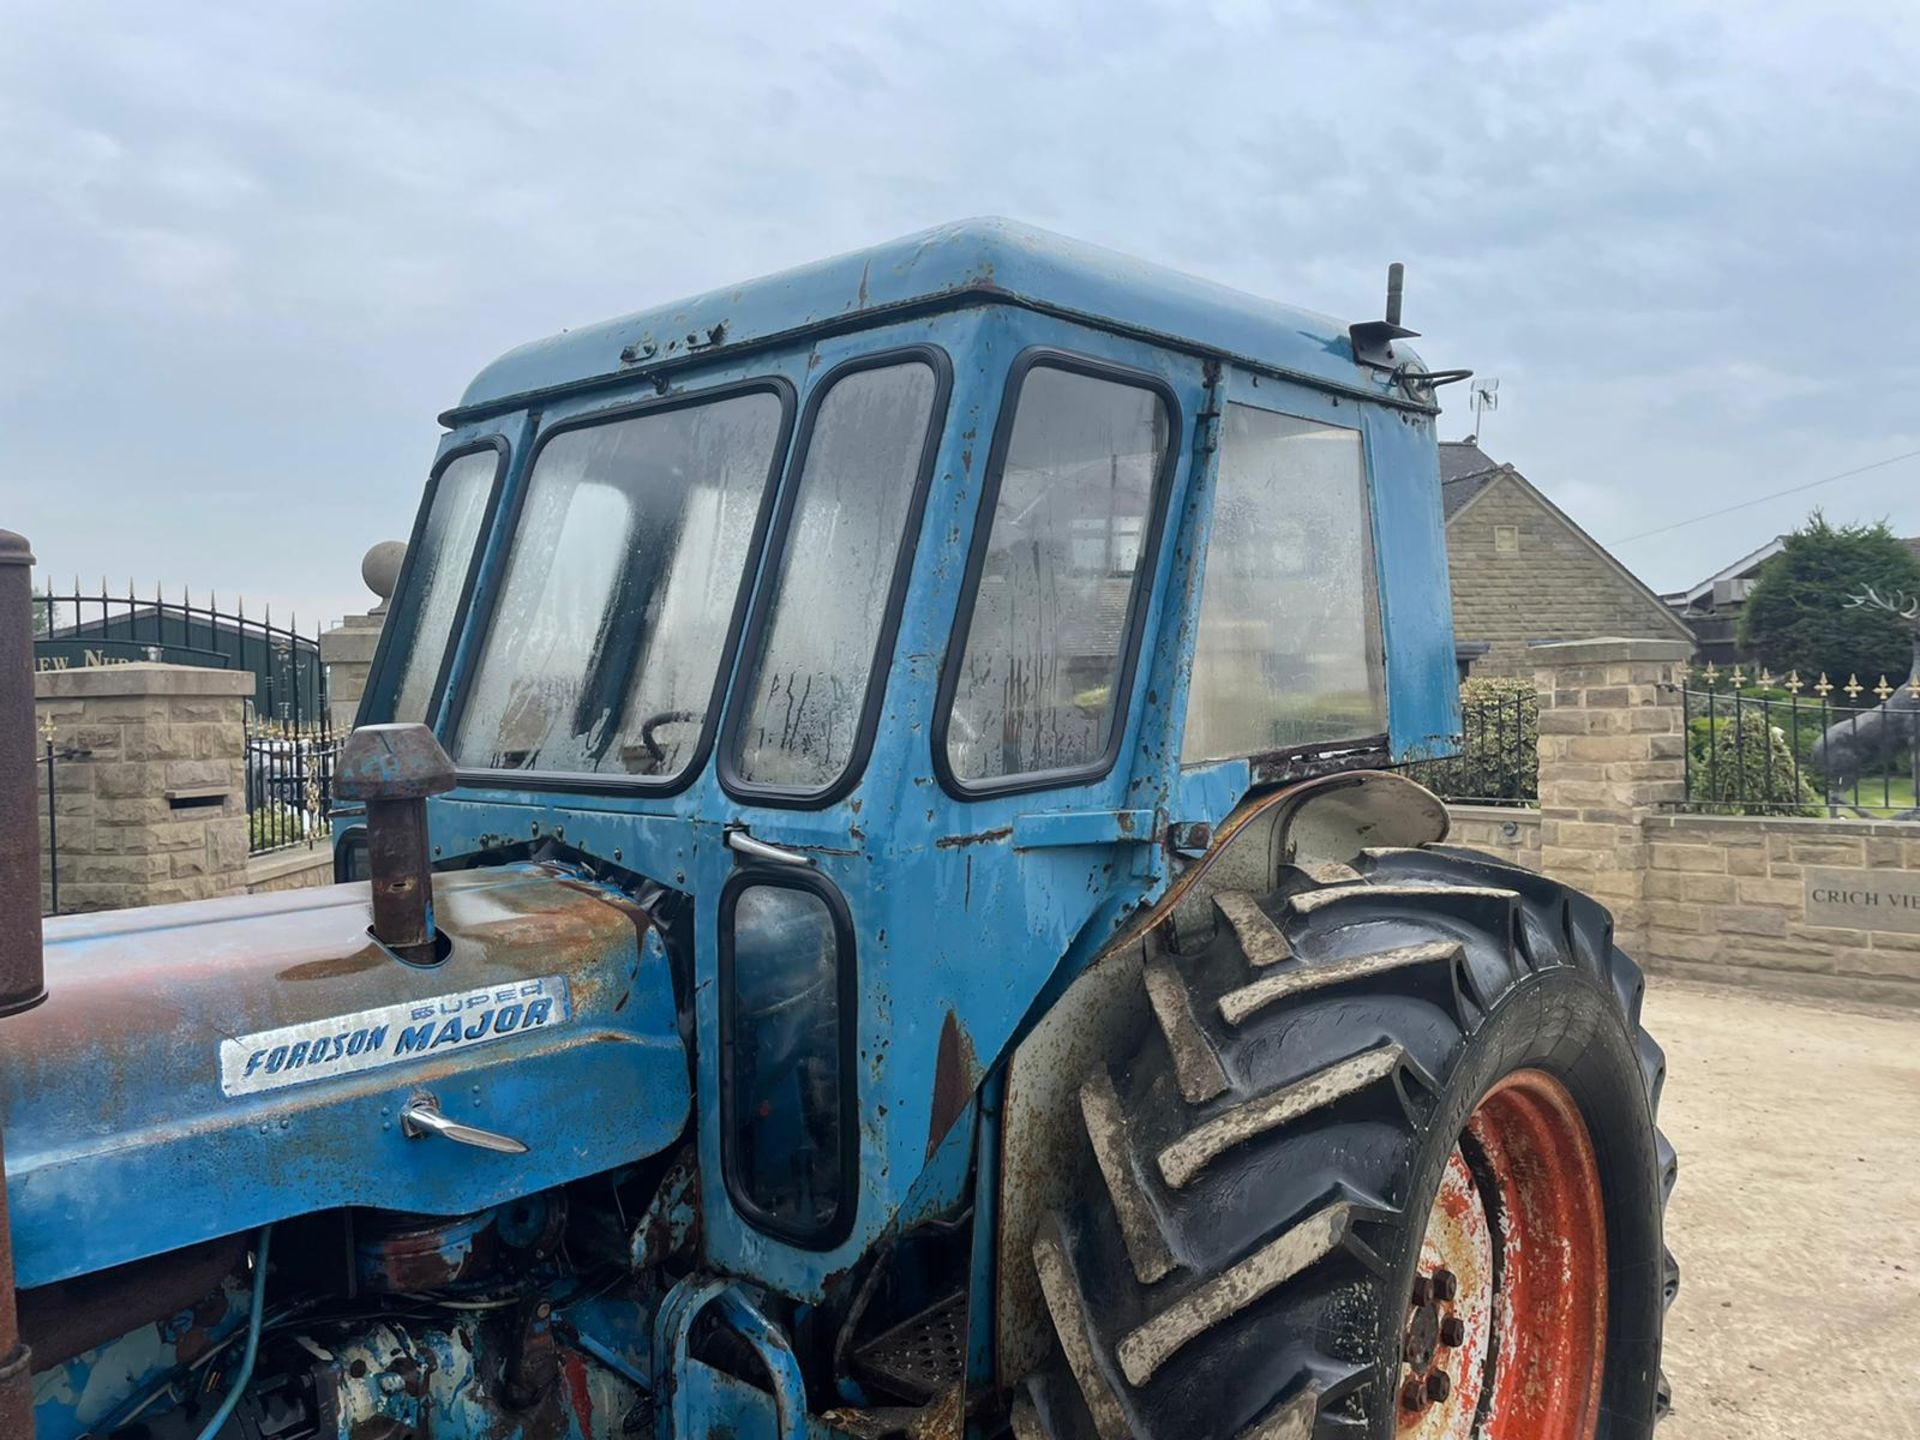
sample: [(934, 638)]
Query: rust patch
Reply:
[(982, 837), (370, 958), (955, 1072)]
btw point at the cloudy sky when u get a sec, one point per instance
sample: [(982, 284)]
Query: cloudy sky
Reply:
[(247, 252)]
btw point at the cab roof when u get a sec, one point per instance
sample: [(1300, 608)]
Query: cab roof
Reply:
[(969, 260)]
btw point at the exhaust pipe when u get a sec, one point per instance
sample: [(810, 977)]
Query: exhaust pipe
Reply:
[(394, 768), (22, 964)]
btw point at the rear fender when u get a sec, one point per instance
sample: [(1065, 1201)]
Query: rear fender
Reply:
[(1324, 821)]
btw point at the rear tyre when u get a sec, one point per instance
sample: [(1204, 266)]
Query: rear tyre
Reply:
[(1384, 1165)]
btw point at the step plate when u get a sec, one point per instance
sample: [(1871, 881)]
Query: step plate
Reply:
[(919, 1357)]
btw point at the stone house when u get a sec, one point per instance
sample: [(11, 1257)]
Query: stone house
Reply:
[(1524, 574), (1711, 608)]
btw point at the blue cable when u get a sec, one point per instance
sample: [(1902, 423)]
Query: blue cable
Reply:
[(225, 1412)]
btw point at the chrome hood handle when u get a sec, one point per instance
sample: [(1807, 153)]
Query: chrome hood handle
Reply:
[(423, 1117)]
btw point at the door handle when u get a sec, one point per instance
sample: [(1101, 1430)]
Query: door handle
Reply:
[(736, 839), (422, 1117)]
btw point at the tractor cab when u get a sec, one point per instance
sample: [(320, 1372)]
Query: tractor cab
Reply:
[(910, 619), (886, 915)]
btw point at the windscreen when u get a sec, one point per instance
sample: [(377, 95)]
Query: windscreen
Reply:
[(627, 562)]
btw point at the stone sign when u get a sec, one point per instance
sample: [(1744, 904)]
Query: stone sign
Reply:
[(1864, 899)]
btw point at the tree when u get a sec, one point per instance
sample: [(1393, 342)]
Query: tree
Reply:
[(1798, 618)]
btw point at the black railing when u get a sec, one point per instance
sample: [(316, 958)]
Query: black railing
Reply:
[(1499, 758), (289, 783), (75, 629), (1784, 747), (51, 756)]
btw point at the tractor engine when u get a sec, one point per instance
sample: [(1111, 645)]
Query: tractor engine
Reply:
[(454, 1141)]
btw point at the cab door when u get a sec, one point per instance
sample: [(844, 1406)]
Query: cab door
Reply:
[(937, 751)]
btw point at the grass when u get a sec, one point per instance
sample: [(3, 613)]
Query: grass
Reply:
[(1896, 798)]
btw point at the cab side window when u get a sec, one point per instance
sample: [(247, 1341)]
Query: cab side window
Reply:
[(1041, 670), (442, 561), (1288, 651)]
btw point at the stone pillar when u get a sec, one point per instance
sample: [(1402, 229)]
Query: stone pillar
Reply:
[(347, 650), (149, 783), (1612, 750)]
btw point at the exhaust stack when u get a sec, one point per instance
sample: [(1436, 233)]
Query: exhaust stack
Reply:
[(22, 964), (394, 768)]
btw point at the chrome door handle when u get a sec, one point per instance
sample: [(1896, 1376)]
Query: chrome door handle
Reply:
[(422, 1117), (736, 839)]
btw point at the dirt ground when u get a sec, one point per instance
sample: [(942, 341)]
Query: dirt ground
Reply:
[(1797, 1217)]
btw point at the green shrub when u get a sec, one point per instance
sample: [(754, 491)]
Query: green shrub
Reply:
[(1745, 766), (275, 824)]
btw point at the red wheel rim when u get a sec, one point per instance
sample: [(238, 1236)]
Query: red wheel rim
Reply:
[(1506, 1334)]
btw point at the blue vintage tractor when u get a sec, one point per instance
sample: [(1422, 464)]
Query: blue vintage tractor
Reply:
[(878, 905)]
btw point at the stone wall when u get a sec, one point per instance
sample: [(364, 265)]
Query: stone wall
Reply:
[(1507, 831), (1768, 901), (300, 868), (1553, 584), (1822, 907), (149, 787)]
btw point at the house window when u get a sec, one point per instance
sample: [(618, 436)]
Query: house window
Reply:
[(1506, 539)]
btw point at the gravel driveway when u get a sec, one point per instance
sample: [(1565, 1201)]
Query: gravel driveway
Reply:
[(1797, 1217)]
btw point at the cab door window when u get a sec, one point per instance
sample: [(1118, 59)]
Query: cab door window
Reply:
[(1288, 651), (809, 690), (1038, 674)]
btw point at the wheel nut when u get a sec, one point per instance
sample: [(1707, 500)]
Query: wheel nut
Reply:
[(1422, 1290), (1438, 1386), (1453, 1330), (1445, 1285), (1413, 1395)]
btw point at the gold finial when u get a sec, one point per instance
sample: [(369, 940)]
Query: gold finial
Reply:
[(1766, 677), (1883, 690), (1853, 687), (1681, 672), (48, 729), (1794, 683), (1737, 678), (1825, 687), (1710, 674)]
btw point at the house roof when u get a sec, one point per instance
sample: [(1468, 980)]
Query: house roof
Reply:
[(1745, 568), (966, 262), (1458, 459), (1465, 470)]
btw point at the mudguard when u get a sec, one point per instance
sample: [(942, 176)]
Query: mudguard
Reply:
[(200, 1069)]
